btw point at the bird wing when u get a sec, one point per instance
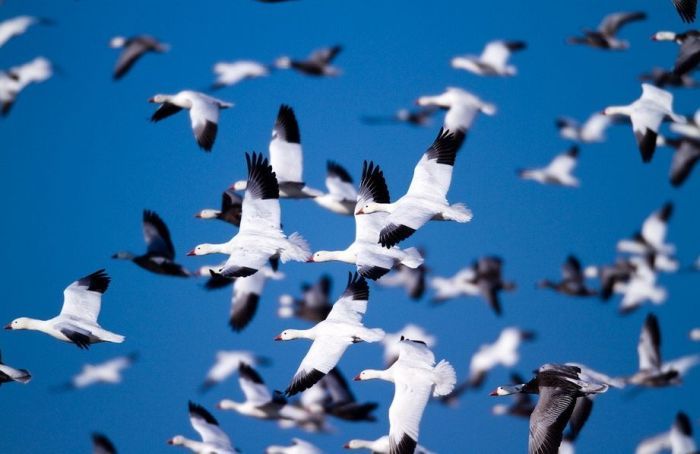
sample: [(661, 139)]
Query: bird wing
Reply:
[(548, 420), (654, 445), (157, 236), (82, 298), (372, 189), (253, 386), (684, 159), (207, 427), (411, 394), (128, 56), (433, 173), (571, 270), (260, 207), (204, 117), (686, 9), (496, 54), (337, 387), (564, 163), (323, 355), (102, 445), (325, 55), (613, 22), (649, 343), (655, 226), (286, 155), (339, 182), (245, 299), (352, 305), (688, 56)]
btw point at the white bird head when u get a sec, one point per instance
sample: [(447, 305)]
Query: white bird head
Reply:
[(506, 390), (18, 323), (288, 334), (202, 249), (159, 99), (283, 63), (177, 440), (663, 36), (117, 42), (369, 207), (207, 214)]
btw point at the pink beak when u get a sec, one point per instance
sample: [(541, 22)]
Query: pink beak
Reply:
[(153, 100), (278, 337), (191, 252), (198, 216), (346, 446), (360, 211), (8, 326), (310, 260), (357, 378), (653, 37), (493, 393), (170, 441)]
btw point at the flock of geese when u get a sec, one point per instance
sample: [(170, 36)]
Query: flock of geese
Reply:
[(380, 252)]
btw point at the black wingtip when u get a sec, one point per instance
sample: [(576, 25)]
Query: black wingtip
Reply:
[(573, 151), (202, 412), (357, 287), (372, 184), (96, 282), (393, 234), (666, 211), (303, 381), (335, 169), (445, 147), (683, 424), (406, 445), (247, 372), (262, 181), (286, 125), (651, 324)]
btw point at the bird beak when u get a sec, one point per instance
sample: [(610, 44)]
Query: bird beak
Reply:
[(653, 37), (310, 259), (218, 405), (360, 211), (416, 102), (154, 100), (346, 446), (170, 441), (191, 252), (493, 393), (198, 216), (278, 337), (357, 378), (8, 326)]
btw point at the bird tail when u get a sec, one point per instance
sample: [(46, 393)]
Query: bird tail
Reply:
[(445, 378), (115, 338), (458, 212), (297, 249), (412, 258), (658, 296), (373, 334), (488, 108)]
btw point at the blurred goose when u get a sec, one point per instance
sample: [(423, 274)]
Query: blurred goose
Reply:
[(592, 131), (412, 280), (133, 48), (77, 322), (462, 283), (204, 113), (227, 362), (493, 61), (102, 445), (689, 54), (331, 337), (573, 280), (332, 396), (558, 171), (9, 28), (342, 195), (314, 304), (661, 78), (685, 156), (690, 127), (415, 376), (652, 372), (651, 239), (426, 197), (17, 78), (605, 36), (230, 211), (260, 236), (109, 372), (462, 108), (231, 73), (640, 287), (559, 388), (418, 117), (522, 405), (372, 260), (160, 252), (609, 275), (318, 63), (298, 446), (9, 373), (379, 446), (214, 440), (286, 158), (392, 345), (694, 334), (647, 113), (678, 440)]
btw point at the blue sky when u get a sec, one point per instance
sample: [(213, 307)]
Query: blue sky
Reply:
[(80, 161)]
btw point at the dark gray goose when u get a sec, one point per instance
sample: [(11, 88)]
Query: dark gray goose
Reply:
[(9, 373), (689, 53), (412, 280), (522, 406), (559, 388), (332, 395), (160, 252), (230, 211), (318, 63), (605, 36), (102, 445), (573, 280), (661, 78), (686, 155), (313, 305), (134, 48)]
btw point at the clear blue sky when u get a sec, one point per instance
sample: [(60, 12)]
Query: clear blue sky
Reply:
[(80, 161)]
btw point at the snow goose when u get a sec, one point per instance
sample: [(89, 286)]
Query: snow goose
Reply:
[(412, 280), (573, 280), (559, 388), (342, 195), (426, 197), (605, 36), (230, 210), (9, 373), (214, 440), (392, 344), (331, 337), (522, 406), (332, 396), (652, 371), (260, 236), (661, 78), (298, 446), (77, 321), (314, 304), (678, 440), (160, 252), (462, 108), (640, 287), (133, 48), (17, 78), (372, 260), (558, 171), (493, 61), (379, 446), (204, 113), (415, 376), (109, 372), (462, 283), (286, 158), (686, 155), (16, 26), (689, 53), (102, 445), (610, 274), (318, 63), (231, 73), (651, 239), (418, 117), (227, 362), (593, 130), (647, 113)]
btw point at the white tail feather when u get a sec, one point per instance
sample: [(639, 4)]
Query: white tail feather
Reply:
[(458, 212), (412, 259), (445, 378), (297, 249), (373, 334)]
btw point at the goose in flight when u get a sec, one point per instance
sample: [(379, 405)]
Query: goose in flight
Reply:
[(651, 238), (17, 26), (230, 211), (493, 61), (204, 113), (522, 406), (573, 281), (260, 236), (133, 48), (462, 109), (421, 116), (559, 388), (379, 446), (17, 78), (77, 321), (678, 440), (342, 195), (592, 131), (415, 376), (331, 337), (646, 114), (610, 275), (286, 158), (109, 371), (426, 197), (232, 73), (412, 280), (160, 252), (640, 287), (318, 63), (689, 53), (686, 154), (9, 374), (227, 362), (214, 440), (102, 445), (298, 446), (605, 37), (372, 260), (557, 172), (332, 396), (314, 304)]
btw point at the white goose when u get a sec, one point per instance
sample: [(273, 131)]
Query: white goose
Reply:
[(16, 26), (426, 197), (415, 377), (231, 73), (106, 372), (372, 260), (286, 158), (557, 172), (9, 373), (462, 108), (214, 440), (298, 446), (134, 48), (77, 322), (593, 130), (204, 113), (342, 195), (503, 352), (331, 337), (647, 113), (462, 283), (17, 78), (227, 362), (379, 446), (493, 61), (651, 238), (260, 235), (678, 440), (640, 287)]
